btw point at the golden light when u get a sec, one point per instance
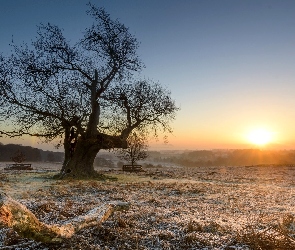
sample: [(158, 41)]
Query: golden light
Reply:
[(260, 137)]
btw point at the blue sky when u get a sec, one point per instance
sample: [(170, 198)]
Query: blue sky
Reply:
[(228, 63)]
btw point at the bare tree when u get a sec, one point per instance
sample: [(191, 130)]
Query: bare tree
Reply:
[(18, 157), (136, 150), (83, 94)]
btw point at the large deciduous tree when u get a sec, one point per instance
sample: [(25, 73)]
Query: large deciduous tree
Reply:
[(85, 93)]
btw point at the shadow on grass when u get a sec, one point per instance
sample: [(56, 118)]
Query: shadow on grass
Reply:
[(96, 176)]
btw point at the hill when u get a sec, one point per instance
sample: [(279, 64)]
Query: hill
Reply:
[(31, 154)]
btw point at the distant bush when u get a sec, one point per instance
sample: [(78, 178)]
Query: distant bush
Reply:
[(149, 165), (104, 163), (50, 157), (120, 164)]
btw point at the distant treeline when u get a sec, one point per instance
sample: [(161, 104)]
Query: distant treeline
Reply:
[(31, 154), (237, 157)]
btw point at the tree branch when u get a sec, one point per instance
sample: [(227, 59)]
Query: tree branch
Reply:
[(24, 222)]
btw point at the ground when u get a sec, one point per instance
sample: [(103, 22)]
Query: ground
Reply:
[(242, 207)]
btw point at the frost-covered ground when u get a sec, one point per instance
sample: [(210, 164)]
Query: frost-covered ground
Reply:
[(171, 208)]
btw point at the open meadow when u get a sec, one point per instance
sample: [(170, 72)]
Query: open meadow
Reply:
[(242, 207)]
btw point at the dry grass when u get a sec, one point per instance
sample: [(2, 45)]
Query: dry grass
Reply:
[(234, 208), (268, 233), (3, 178)]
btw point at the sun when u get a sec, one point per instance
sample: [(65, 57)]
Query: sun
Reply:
[(260, 137)]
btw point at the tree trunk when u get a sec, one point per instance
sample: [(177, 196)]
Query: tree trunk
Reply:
[(80, 165), (66, 148)]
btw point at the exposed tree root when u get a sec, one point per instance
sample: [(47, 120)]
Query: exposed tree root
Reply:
[(17, 216)]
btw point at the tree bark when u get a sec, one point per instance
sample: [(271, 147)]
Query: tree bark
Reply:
[(17, 216), (66, 148), (80, 165)]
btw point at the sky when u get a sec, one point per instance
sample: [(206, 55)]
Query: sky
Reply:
[(228, 63)]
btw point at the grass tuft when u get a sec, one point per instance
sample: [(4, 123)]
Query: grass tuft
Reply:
[(269, 236)]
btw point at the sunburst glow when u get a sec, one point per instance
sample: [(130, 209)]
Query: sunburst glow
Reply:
[(260, 137)]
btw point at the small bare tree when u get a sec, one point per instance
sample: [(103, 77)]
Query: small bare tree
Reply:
[(18, 157), (136, 150)]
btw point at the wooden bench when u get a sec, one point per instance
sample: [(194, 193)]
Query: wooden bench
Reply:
[(18, 166), (132, 168)]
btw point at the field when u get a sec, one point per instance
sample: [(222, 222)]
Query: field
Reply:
[(242, 207)]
